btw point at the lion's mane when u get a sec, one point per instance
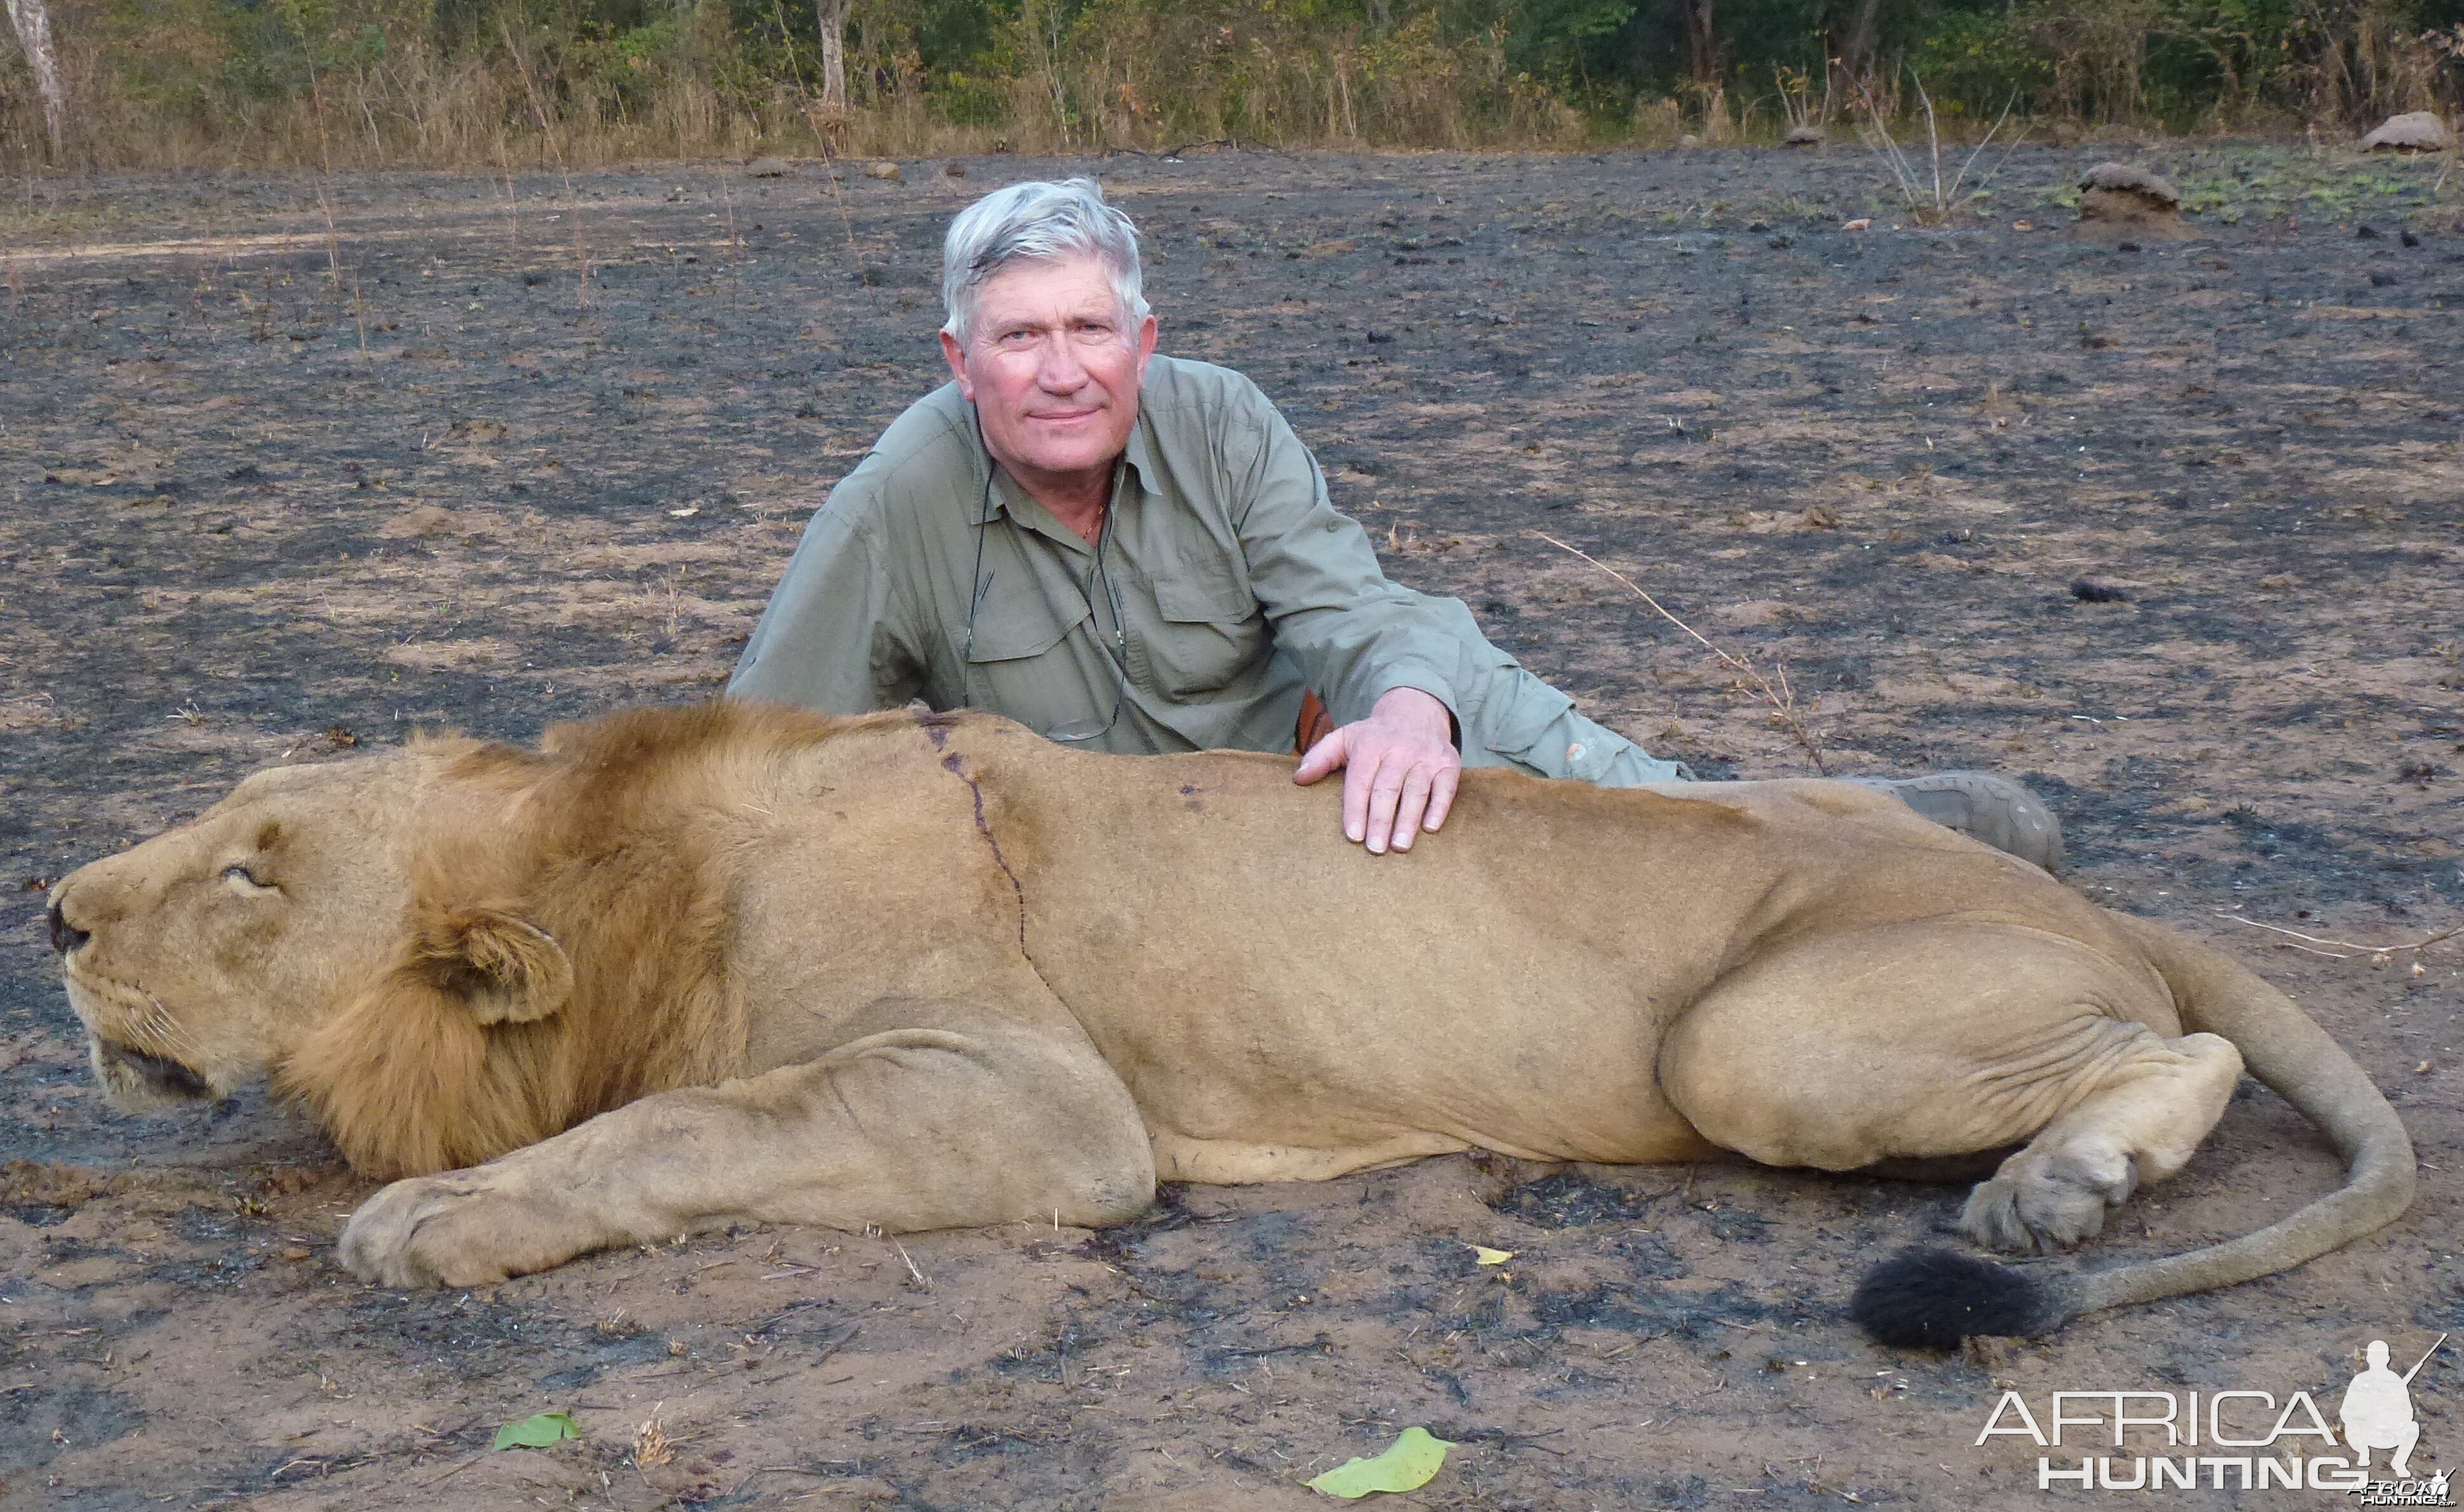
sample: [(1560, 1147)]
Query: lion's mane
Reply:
[(565, 949)]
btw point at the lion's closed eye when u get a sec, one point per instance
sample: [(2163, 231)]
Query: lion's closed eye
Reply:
[(238, 873)]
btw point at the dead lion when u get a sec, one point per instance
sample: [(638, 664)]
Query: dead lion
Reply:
[(680, 968)]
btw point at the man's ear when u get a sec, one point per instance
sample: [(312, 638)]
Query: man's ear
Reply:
[(955, 356), (503, 969), (1145, 344)]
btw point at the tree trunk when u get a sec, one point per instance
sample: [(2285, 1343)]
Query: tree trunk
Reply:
[(1702, 42), (34, 25), (832, 15), (1853, 46)]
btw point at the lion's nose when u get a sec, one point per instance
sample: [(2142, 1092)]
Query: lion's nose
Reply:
[(65, 936)]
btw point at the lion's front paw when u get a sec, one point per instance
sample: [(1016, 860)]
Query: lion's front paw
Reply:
[(2042, 1201), (460, 1229)]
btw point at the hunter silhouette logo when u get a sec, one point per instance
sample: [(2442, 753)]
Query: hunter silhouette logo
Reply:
[(2231, 1440), (2378, 1409)]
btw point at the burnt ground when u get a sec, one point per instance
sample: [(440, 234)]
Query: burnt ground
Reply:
[(2170, 531)]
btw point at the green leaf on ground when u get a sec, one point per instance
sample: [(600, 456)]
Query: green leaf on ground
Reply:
[(1491, 1257), (1407, 1466), (547, 1428)]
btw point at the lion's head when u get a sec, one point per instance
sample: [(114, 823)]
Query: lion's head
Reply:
[(443, 952), (199, 960)]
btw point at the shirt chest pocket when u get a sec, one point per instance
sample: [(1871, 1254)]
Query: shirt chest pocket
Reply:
[(1018, 665), (1208, 631), (1014, 626), (1013, 631)]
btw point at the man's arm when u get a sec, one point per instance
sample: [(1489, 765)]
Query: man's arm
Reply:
[(1377, 652), (826, 642)]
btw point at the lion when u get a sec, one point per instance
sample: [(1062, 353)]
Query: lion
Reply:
[(688, 968)]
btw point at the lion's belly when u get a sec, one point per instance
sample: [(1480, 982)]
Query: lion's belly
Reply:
[(1248, 1078), (1224, 1162)]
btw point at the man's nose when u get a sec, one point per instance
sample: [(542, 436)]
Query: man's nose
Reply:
[(1060, 372), (65, 936)]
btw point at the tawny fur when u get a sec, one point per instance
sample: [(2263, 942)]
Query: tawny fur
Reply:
[(685, 967), (602, 840)]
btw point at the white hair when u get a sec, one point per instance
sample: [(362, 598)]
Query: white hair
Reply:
[(1039, 222)]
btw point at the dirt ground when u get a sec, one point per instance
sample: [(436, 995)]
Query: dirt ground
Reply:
[(2170, 531)]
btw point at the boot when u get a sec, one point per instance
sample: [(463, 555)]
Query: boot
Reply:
[(1982, 806)]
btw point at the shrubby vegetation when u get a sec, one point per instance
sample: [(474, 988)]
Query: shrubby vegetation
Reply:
[(457, 82)]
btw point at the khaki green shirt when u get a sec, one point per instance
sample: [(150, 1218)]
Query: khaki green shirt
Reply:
[(1224, 584)]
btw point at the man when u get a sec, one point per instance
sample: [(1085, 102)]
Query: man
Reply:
[(1134, 553)]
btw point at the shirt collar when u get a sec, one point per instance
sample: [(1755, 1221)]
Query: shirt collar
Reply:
[(1142, 457)]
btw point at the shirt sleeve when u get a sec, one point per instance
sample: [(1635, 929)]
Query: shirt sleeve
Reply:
[(827, 640), (1354, 633)]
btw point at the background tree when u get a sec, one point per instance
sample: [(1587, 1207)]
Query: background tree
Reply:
[(1850, 35), (831, 16), (33, 27), (1704, 55)]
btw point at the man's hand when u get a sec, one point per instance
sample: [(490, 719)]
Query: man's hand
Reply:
[(1402, 769)]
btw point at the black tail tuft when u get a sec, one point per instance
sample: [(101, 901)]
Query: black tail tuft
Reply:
[(1931, 1299)]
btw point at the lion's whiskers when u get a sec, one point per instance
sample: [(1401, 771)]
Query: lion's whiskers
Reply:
[(164, 1031)]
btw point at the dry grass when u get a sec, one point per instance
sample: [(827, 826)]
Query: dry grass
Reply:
[(1773, 689), (517, 96), (1918, 180), (651, 1445), (345, 84)]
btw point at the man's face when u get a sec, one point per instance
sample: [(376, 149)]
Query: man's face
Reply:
[(1052, 370)]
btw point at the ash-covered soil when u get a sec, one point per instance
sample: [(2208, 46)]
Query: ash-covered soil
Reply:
[(2172, 532)]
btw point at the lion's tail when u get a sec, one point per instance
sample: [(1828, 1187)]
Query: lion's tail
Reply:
[(1933, 1297)]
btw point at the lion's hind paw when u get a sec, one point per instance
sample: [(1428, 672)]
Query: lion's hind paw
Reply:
[(2041, 1202)]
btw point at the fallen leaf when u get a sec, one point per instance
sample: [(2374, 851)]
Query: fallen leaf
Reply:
[(1491, 1257), (1858, 225), (547, 1428), (1406, 1466), (686, 513)]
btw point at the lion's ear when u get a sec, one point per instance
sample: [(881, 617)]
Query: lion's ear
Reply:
[(505, 969)]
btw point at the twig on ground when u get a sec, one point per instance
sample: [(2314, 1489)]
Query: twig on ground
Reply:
[(324, 188), (838, 196), (1781, 697), (830, 1346), (513, 203), (824, 125), (735, 285), (547, 130), (1168, 153), (2377, 951), (774, 1469), (455, 1471), (784, 1314)]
